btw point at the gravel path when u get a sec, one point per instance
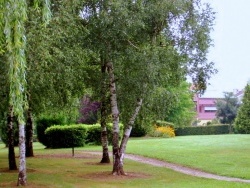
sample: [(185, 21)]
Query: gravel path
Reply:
[(179, 168)]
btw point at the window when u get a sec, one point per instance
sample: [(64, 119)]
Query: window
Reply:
[(210, 109)]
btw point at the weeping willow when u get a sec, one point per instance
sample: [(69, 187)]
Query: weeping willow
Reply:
[(13, 15)]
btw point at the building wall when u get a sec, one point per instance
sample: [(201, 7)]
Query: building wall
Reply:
[(205, 108)]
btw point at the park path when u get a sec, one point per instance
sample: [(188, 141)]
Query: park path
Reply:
[(179, 168)]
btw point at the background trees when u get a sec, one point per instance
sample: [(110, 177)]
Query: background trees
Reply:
[(242, 122), (227, 108)]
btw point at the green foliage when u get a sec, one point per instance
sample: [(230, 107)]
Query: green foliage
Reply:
[(94, 133), (203, 130), (4, 129), (160, 123), (138, 130), (66, 136), (242, 122), (181, 112), (45, 122), (227, 108), (172, 104), (56, 58), (15, 41)]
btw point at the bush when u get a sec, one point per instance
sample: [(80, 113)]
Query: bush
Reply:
[(138, 131), (88, 111), (166, 132), (94, 133), (203, 130), (163, 129), (43, 123), (4, 132), (160, 123), (66, 136)]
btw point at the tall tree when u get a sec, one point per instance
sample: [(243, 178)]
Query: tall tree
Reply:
[(227, 108), (242, 121), (118, 28), (55, 62), (14, 14), (15, 17)]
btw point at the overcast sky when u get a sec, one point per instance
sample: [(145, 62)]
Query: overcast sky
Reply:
[(231, 51)]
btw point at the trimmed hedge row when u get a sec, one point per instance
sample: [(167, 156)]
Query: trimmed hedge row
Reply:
[(42, 124), (203, 130), (66, 136)]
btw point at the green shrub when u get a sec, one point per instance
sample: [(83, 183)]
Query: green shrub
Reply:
[(203, 130), (94, 133), (4, 132), (42, 124), (160, 123), (138, 131), (66, 136)]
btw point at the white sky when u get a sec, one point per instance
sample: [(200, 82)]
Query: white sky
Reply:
[(231, 51)]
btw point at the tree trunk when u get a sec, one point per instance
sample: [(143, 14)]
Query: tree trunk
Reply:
[(115, 116), (104, 115), (22, 179), (29, 135), (127, 132), (11, 155)]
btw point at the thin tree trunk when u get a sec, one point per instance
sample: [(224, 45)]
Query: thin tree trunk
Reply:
[(22, 178), (127, 132), (11, 155), (115, 117), (104, 114), (29, 135)]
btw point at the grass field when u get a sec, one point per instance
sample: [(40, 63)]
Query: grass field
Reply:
[(227, 155), (57, 168)]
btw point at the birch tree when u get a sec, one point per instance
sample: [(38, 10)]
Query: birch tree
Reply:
[(146, 44)]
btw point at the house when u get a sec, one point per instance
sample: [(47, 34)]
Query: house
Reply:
[(205, 108)]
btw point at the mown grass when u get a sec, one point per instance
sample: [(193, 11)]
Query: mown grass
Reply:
[(56, 168), (227, 155)]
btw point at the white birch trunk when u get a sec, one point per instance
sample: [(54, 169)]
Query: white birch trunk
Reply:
[(115, 117), (128, 130), (22, 178)]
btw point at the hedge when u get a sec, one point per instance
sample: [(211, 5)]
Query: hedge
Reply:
[(94, 133), (66, 136), (42, 124), (203, 130)]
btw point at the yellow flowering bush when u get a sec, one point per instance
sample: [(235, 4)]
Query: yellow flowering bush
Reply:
[(167, 132)]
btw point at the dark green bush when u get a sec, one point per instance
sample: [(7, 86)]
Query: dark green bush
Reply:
[(66, 136), (4, 132), (138, 131), (203, 130), (42, 124), (94, 133)]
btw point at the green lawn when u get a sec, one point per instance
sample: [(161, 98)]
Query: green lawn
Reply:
[(56, 168), (227, 155)]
